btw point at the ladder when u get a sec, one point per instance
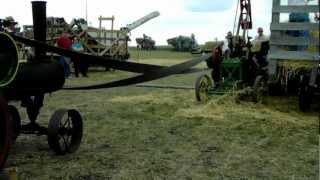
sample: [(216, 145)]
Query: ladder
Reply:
[(281, 40), (245, 18)]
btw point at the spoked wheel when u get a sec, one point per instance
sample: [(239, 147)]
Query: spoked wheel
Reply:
[(15, 123), (202, 88), (5, 130), (65, 131)]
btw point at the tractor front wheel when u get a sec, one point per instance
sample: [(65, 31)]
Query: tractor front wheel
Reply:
[(202, 87)]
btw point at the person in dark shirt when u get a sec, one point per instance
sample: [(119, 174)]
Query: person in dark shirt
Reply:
[(217, 59)]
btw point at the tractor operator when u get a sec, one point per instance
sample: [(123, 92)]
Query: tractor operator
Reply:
[(260, 48), (261, 37), (258, 40)]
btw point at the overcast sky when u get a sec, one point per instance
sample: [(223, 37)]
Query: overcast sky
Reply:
[(207, 19)]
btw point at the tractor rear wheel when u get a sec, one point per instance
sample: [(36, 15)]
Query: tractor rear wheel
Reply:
[(305, 97)]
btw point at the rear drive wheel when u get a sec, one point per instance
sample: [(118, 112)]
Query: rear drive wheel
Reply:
[(16, 122), (305, 98), (5, 130)]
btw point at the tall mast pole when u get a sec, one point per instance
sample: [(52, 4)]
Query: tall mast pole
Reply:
[(87, 11)]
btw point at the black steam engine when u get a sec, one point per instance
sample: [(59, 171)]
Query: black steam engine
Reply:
[(27, 83)]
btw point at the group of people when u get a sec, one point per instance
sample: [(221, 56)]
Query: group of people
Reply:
[(66, 41), (227, 49)]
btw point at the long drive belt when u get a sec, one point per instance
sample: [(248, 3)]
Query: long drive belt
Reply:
[(151, 75), (82, 57), (150, 72)]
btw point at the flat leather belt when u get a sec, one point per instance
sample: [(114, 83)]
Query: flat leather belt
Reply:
[(87, 58), (149, 76), (150, 72)]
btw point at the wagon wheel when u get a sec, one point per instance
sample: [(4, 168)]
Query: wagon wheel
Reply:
[(202, 88), (16, 122), (305, 97), (5, 130), (65, 131)]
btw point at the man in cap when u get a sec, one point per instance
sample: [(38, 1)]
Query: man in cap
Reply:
[(9, 25), (261, 36)]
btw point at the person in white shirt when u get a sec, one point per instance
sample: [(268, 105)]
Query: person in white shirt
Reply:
[(261, 36), (258, 40)]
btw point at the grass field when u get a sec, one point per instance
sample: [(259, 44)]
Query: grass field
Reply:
[(139, 133)]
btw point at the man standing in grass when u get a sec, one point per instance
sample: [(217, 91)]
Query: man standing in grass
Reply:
[(79, 66), (64, 42)]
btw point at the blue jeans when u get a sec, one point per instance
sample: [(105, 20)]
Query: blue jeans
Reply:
[(66, 67)]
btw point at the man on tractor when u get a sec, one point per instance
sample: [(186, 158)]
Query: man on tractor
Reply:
[(260, 48)]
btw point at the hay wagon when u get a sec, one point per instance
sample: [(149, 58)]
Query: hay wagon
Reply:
[(294, 52)]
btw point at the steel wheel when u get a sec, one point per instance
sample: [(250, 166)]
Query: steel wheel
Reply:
[(305, 98), (16, 122), (202, 88), (5, 131), (65, 131)]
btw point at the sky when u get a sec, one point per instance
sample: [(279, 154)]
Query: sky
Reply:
[(207, 19)]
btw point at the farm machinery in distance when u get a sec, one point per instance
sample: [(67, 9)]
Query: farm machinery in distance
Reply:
[(110, 43), (146, 43)]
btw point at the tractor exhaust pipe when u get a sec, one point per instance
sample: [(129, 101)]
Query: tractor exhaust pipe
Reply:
[(39, 26)]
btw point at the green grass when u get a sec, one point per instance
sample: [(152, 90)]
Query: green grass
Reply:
[(139, 133), (158, 54)]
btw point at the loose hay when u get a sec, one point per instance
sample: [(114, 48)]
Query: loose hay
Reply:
[(137, 133)]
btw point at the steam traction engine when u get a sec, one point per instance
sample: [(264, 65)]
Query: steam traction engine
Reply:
[(28, 82)]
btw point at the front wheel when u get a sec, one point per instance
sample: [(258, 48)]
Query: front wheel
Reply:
[(65, 131), (202, 87)]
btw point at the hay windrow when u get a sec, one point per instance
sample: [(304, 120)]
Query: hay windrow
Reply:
[(146, 98), (222, 106), (297, 65), (142, 133)]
